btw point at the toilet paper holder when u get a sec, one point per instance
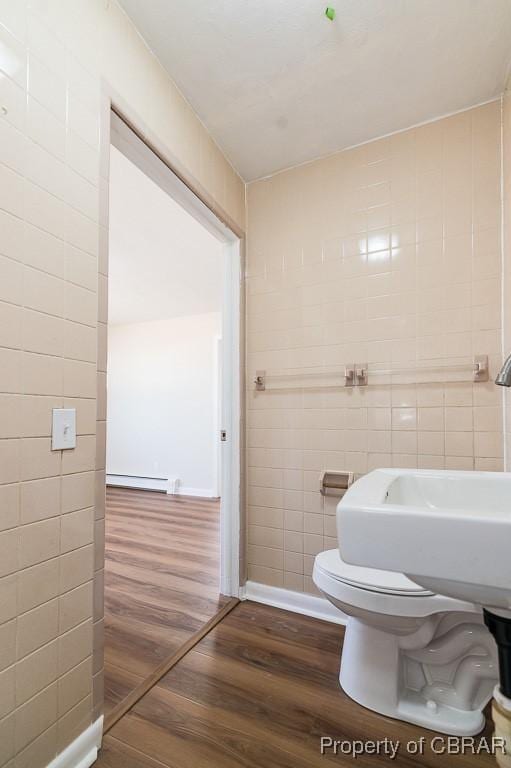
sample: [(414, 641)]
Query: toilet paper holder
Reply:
[(333, 483)]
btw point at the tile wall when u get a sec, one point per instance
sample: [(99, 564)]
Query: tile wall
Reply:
[(55, 55), (506, 190), (388, 253)]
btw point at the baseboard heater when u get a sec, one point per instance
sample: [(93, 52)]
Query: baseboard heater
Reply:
[(160, 484)]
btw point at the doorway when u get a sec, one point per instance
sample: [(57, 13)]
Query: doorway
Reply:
[(173, 373)]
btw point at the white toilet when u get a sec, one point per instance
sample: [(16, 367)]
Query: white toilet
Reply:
[(409, 653)]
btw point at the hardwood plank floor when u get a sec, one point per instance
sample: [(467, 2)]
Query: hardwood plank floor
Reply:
[(259, 691), (161, 581)]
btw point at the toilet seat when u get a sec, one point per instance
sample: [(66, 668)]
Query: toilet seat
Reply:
[(372, 579), (392, 594)]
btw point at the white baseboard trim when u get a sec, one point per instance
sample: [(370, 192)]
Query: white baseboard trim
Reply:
[(206, 493), (83, 751), (288, 600), (142, 483), (157, 484)]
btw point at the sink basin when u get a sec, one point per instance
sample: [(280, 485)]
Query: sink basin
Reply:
[(450, 532)]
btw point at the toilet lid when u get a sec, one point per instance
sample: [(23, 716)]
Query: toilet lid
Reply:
[(371, 579)]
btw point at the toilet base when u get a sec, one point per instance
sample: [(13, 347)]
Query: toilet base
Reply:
[(373, 672)]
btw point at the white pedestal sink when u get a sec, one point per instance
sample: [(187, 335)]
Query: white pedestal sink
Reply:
[(449, 532)]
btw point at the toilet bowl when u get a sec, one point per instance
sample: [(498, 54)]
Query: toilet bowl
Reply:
[(409, 653)]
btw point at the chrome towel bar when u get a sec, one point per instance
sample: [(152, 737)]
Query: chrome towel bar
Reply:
[(362, 374)]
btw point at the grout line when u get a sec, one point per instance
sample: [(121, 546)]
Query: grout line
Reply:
[(166, 665)]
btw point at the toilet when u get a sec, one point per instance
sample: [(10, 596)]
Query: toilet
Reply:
[(408, 653)]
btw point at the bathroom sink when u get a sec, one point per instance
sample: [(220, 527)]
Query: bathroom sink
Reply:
[(450, 532)]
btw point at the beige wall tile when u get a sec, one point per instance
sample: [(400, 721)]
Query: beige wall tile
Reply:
[(394, 278), (76, 529), (42, 333), (9, 415), (81, 458), (44, 251), (11, 272), (9, 461), (100, 493), (74, 722), (102, 299), (99, 544), (98, 595), (38, 584), (10, 370), (81, 268), (11, 227), (37, 459), (100, 445), (36, 671), (7, 644), (8, 597), (53, 240), (102, 346), (10, 325), (75, 607), (34, 717), (75, 646), (9, 551), (9, 506), (101, 399), (81, 305), (40, 752), (266, 537), (39, 541), (7, 739), (43, 292), (36, 415), (40, 499), (265, 575), (78, 491), (79, 379), (7, 691), (85, 414), (79, 341), (41, 374), (99, 645), (37, 627), (76, 568), (98, 693), (270, 558), (74, 686)]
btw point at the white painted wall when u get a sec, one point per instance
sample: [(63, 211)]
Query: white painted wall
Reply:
[(162, 400)]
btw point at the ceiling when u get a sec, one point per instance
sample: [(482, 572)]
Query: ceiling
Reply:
[(277, 83), (162, 262)]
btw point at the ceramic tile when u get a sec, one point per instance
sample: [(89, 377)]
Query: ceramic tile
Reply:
[(402, 279)]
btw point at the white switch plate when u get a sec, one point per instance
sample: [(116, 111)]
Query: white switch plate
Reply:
[(63, 431)]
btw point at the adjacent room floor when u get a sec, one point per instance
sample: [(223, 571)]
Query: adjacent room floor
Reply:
[(259, 691), (161, 581)]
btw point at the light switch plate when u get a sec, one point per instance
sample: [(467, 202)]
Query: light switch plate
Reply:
[(63, 431)]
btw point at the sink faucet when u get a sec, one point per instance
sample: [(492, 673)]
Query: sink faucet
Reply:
[(504, 375)]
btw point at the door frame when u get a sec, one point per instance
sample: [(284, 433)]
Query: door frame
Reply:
[(138, 150)]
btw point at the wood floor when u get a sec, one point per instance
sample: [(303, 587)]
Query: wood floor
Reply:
[(258, 692), (161, 581)]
